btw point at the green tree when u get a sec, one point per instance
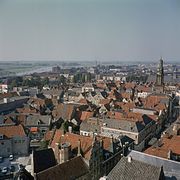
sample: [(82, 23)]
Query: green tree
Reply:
[(62, 80), (43, 145), (45, 81), (13, 84)]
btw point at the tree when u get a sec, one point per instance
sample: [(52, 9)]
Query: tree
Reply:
[(61, 80), (45, 81), (13, 84), (43, 145), (65, 126)]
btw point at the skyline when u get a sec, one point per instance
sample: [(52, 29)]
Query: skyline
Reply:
[(93, 30)]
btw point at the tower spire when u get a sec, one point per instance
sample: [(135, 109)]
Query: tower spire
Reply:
[(160, 73)]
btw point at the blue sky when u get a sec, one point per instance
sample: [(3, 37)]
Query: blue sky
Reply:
[(120, 30)]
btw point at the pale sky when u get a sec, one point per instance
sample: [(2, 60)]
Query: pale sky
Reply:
[(121, 30)]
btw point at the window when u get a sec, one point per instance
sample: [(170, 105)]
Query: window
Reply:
[(2, 143)]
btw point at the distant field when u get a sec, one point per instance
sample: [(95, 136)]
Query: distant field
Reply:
[(12, 68)]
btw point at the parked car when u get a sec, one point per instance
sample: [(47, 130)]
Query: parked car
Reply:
[(4, 170), (11, 157)]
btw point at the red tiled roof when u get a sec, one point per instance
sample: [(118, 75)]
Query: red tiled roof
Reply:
[(129, 85), (21, 118), (154, 100), (8, 120), (8, 95), (86, 115), (115, 115), (26, 110), (10, 131), (114, 95), (64, 111), (144, 88), (86, 142), (48, 135), (172, 143), (34, 129), (104, 101), (126, 95), (56, 137), (40, 102), (160, 107), (83, 101), (101, 85)]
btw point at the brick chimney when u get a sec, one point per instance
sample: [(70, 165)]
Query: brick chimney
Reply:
[(56, 152), (129, 159), (79, 148)]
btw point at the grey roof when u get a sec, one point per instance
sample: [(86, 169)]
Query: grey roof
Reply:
[(89, 127), (33, 91), (16, 98), (73, 169), (43, 159), (54, 92), (171, 168), (123, 139), (124, 125), (134, 170), (1, 119), (33, 120)]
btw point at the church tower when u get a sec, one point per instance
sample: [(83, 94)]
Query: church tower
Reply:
[(160, 74)]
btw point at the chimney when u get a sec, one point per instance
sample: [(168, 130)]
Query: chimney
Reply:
[(79, 148), (129, 159), (56, 152), (65, 152), (103, 178), (175, 129), (169, 154), (101, 143), (70, 129), (6, 100), (32, 162), (112, 144)]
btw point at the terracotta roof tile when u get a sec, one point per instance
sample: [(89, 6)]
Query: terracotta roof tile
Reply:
[(130, 85), (86, 115), (83, 101), (114, 95), (34, 129), (86, 142), (8, 120), (104, 101), (26, 110), (101, 85), (171, 143), (8, 95), (48, 135), (64, 111), (126, 95), (21, 118), (10, 131)]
